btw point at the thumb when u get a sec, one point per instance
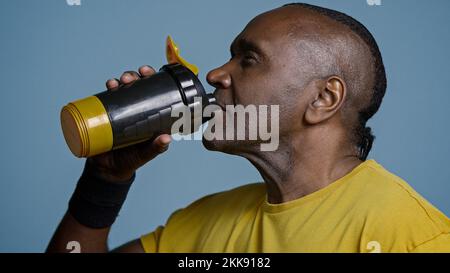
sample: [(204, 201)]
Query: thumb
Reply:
[(150, 149), (161, 143)]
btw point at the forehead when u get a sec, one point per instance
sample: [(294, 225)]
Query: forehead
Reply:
[(277, 28)]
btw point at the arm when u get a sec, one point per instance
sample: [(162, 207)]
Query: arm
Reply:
[(91, 240), (115, 167)]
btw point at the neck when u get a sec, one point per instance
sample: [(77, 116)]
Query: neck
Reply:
[(304, 164)]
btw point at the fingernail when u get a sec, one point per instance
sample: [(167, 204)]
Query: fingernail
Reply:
[(166, 140), (126, 76)]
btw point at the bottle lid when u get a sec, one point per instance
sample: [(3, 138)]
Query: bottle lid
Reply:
[(86, 127)]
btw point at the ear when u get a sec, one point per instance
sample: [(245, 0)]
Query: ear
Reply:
[(330, 95)]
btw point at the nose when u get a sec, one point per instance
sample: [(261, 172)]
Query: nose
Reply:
[(219, 78)]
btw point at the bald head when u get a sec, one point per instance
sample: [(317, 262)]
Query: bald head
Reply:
[(332, 43), (320, 66)]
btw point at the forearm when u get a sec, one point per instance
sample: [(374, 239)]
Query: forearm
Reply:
[(93, 208), (88, 239)]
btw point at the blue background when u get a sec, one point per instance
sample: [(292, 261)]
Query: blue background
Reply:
[(52, 53)]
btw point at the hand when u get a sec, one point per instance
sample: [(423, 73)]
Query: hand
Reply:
[(119, 165)]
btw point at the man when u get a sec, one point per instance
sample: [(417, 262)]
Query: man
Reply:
[(320, 194)]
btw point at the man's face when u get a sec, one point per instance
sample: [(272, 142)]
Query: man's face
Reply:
[(266, 68)]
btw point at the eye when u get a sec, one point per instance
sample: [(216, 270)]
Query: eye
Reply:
[(248, 60)]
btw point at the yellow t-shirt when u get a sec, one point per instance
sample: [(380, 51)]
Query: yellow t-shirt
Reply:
[(367, 210)]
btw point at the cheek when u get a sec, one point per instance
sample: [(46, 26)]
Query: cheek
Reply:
[(270, 84), (255, 90), (291, 106), (253, 95)]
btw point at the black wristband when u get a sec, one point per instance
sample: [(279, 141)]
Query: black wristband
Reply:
[(97, 202)]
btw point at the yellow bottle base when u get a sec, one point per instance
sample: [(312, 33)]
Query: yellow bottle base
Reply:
[(86, 127)]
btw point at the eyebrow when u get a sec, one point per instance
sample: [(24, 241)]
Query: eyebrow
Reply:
[(242, 44)]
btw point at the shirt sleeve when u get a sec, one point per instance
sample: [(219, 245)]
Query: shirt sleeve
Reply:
[(439, 244), (150, 241)]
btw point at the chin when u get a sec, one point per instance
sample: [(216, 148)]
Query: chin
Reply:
[(214, 145), (233, 147)]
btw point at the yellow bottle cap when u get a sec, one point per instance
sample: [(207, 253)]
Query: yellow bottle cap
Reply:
[(86, 127), (173, 56)]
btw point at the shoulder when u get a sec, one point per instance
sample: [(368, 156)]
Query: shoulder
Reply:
[(396, 198), (398, 214), (222, 205), (245, 194), (188, 229)]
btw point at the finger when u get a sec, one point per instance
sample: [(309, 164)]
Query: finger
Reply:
[(159, 145), (112, 83), (146, 70), (135, 156), (129, 76), (150, 149), (163, 140)]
